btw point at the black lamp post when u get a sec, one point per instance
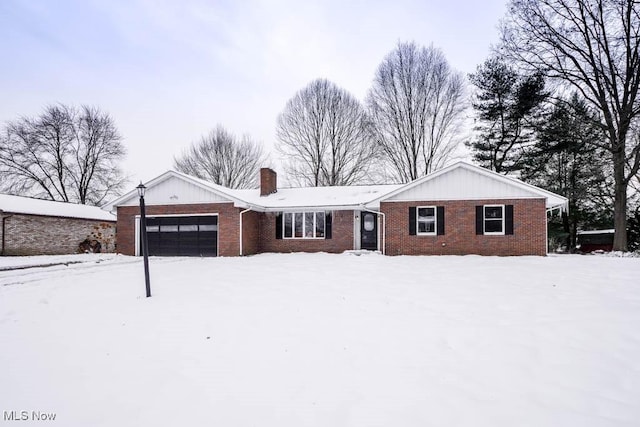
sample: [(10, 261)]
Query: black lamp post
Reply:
[(145, 245)]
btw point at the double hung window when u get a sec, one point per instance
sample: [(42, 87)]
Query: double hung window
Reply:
[(303, 225), (426, 219), (494, 219)]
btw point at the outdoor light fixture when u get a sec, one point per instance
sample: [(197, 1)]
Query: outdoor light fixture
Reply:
[(145, 245), (141, 189)]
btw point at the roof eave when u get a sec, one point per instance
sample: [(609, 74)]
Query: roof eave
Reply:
[(299, 208), (160, 178), (563, 203)]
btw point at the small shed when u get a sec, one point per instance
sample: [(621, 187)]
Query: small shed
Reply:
[(42, 227), (595, 240)]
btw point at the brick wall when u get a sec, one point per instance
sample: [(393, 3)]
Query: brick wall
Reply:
[(228, 224), (341, 236), (46, 235), (529, 229), (250, 232), (460, 238), (268, 181)]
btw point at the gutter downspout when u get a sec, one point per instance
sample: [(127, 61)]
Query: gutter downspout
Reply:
[(384, 226), (242, 213)]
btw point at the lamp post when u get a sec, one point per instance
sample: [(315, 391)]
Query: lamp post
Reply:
[(145, 245)]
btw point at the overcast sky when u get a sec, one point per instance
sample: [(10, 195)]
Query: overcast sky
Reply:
[(169, 71)]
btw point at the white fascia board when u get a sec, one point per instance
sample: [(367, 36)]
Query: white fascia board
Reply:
[(308, 208), (134, 193), (159, 179), (418, 181), (446, 199), (217, 189), (556, 199)]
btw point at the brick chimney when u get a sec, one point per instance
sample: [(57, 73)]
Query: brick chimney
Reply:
[(268, 181)]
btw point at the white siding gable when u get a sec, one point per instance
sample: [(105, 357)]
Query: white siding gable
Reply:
[(463, 183), (176, 191)]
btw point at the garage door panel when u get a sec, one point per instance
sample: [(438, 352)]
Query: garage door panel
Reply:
[(191, 220), (183, 236)]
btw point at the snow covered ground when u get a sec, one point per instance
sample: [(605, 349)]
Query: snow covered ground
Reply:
[(324, 340), (14, 262)]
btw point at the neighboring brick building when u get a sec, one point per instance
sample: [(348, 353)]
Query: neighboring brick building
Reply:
[(43, 227), (461, 209)]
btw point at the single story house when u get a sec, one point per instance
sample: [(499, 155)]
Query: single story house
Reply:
[(461, 209), (43, 227)]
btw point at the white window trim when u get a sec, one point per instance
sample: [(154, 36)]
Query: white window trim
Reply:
[(484, 223), (435, 223), (293, 225)]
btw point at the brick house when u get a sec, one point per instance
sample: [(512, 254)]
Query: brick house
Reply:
[(43, 227), (461, 209)]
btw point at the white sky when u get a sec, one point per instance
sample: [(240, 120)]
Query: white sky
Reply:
[(169, 71)]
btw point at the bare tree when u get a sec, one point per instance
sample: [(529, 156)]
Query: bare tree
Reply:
[(65, 154), (592, 45), (416, 104), (323, 134), (223, 159)]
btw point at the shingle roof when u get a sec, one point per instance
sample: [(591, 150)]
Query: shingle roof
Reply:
[(321, 197), (31, 206)]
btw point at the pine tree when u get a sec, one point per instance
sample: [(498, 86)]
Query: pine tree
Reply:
[(566, 159), (507, 107)]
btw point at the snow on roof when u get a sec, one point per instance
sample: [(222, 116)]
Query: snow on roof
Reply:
[(338, 197), (552, 200), (607, 231), (283, 199), (321, 197), (204, 184), (31, 206)]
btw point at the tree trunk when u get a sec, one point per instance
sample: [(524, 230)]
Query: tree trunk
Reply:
[(566, 229), (620, 202)]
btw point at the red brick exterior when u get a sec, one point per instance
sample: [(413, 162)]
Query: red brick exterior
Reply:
[(259, 232), (529, 225), (341, 236), (268, 181), (48, 235), (228, 224), (250, 232)]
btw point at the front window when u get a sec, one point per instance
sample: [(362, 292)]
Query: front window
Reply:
[(319, 224), (494, 219), (288, 225), (427, 220), (303, 225), (297, 219)]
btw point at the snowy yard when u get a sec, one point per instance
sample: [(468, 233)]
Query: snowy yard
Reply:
[(324, 340)]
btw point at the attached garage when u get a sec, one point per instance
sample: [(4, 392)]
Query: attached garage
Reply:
[(185, 216), (183, 235)]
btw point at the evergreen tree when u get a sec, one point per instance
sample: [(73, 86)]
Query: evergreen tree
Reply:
[(594, 47), (633, 229), (507, 106), (566, 159)]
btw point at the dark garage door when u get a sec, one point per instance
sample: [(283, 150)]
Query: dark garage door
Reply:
[(183, 236)]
